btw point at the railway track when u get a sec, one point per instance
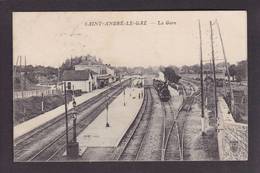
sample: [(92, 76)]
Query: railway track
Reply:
[(173, 132), (48, 151), (172, 145), (133, 141), (80, 108)]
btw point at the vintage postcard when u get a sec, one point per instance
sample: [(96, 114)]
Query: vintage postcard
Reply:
[(130, 86)]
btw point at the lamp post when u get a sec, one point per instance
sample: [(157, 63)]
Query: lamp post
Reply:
[(42, 102), (124, 97), (74, 120), (107, 124), (66, 116), (73, 146)]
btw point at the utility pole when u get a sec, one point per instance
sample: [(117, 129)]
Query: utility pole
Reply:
[(25, 72), (21, 79), (42, 103), (15, 67), (201, 86), (15, 70), (66, 116), (71, 62), (214, 71), (124, 96), (58, 75), (226, 64)]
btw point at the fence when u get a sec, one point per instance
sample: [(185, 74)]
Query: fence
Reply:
[(26, 94)]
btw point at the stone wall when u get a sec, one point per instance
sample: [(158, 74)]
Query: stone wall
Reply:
[(232, 136), (235, 142)]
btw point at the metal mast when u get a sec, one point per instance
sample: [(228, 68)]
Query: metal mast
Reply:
[(226, 65), (201, 84), (16, 65), (214, 70), (25, 72), (21, 78)]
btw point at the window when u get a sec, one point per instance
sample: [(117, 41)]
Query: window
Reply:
[(69, 85)]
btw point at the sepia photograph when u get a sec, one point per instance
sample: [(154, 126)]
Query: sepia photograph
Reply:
[(130, 86)]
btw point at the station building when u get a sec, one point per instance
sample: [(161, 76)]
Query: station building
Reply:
[(103, 73), (84, 80)]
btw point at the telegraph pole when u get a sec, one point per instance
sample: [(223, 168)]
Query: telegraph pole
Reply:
[(15, 67), (226, 64), (201, 86), (21, 79), (124, 96), (214, 70), (25, 72), (58, 75)]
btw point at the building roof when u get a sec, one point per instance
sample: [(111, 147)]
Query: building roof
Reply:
[(105, 76), (77, 75), (90, 63)]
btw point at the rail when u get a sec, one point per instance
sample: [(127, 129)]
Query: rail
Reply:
[(23, 141), (139, 118)]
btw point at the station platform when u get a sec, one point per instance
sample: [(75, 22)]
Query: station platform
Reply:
[(120, 118), (35, 122)]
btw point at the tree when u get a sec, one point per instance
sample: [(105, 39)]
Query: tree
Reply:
[(32, 77), (66, 65), (241, 71), (185, 69), (175, 68), (195, 68), (238, 71), (170, 75), (232, 71)]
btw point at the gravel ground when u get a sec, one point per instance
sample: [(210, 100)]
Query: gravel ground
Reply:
[(98, 153), (152, 143), (138, 130), (196, 146), (173, 151)]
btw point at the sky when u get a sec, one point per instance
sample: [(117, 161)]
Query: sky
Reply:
[(49, 38)]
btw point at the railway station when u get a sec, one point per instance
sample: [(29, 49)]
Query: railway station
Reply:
[(148, 104)]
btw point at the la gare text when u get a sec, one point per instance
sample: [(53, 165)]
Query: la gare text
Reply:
[(129, 23)]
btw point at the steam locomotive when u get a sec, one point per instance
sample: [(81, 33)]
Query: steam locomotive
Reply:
[(162, 89)]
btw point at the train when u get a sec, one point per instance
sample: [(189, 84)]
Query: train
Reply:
[(162, 89)]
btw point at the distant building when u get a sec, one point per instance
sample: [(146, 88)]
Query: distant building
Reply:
[(110, 70), (104, 74), (99, 69), (83, 80), (103, 80), (86, 65)]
